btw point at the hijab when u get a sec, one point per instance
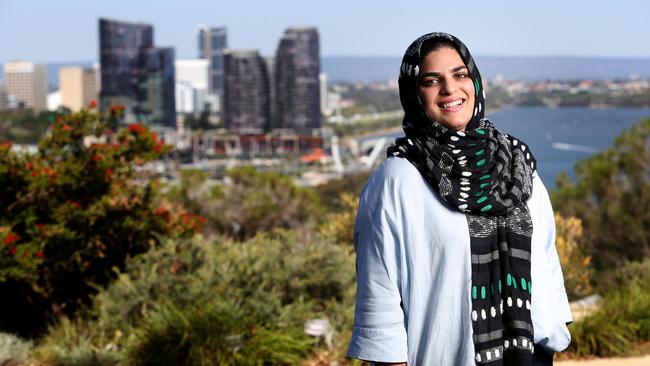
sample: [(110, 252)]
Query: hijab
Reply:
[(488, 176)]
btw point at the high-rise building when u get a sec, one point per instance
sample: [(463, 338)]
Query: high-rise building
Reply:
[(135, 73), (247, 92), (297, 66), (78, 86), (26, 82), (212, 43), (192, 80)]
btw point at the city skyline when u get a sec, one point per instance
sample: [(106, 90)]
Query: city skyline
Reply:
[(41, 30)]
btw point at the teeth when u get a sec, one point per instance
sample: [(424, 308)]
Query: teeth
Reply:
[(453, 104)]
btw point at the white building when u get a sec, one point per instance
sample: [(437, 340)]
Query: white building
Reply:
[(192, 80), (27, 83)]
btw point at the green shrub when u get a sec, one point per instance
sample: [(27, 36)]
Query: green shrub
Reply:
[(621, 321), (78, 343), (217, 333), (13, 350), (193, 298)]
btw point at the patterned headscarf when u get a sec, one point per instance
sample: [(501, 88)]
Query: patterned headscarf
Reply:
[(488, 176)]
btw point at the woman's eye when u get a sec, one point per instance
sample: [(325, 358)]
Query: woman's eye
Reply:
[(461, 76), (429, 82)]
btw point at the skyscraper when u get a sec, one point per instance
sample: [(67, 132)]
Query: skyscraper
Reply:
[(247, 99), (297, 66), (78, 86), (212, 42), (135, 73), (27, 83)]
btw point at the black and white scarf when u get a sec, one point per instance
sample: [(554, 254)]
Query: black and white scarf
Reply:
[(488, 176)]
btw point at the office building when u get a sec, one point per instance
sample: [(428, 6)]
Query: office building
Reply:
[(78, 87), (297, 85), (212, 43), (246, 92), (26, 84), (135, 73)]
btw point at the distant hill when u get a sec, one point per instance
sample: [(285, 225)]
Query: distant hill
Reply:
[(377, 68), (362, 68)]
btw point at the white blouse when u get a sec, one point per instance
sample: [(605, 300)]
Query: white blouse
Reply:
[(414, 274)]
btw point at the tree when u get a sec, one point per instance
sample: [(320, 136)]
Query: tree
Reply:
[(612, 198), (72, 212)]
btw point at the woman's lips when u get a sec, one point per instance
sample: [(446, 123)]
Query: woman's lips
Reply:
[(452, 106)]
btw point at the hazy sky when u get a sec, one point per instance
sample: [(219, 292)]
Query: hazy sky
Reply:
[(66, 30)]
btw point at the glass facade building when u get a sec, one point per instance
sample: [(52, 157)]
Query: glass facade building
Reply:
[(297, 85), (212, 42), (135, 73), (247, 95)]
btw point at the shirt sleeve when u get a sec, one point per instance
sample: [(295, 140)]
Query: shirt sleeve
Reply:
[(379, 334), (554, 314)]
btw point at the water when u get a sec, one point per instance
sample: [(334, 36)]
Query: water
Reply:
[(560, 137)]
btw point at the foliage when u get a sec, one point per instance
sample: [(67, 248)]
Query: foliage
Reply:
[(73, 211), (13, 350), (213, 334), (331, 193), (26, 127), (612, 198), (339, 226), (250, 202), (575, 263), (622, 319), (200, 302)]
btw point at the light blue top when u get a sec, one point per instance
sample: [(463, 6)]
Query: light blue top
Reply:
[(414, 274)]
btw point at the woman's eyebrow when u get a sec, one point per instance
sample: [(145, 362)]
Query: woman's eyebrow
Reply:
[(437, 74)]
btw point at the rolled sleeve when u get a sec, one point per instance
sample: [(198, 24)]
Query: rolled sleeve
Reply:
[(552, 313), (379, 333)]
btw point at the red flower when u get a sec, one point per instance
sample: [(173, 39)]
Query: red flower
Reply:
[(12, 250), (39, 254), (92, 104), (35, 173), (158, 147), (65, 127), (6, 145), (11, 238), (109, 174), (136, 128), (97, 158), (77, 204), (40, 226)]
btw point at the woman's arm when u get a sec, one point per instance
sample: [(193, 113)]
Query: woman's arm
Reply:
[(379, 334)]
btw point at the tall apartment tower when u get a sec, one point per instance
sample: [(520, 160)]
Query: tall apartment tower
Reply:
[(135, 73), (27, 83), (297, 86), (247, 94), (212, 43), (78, 86)]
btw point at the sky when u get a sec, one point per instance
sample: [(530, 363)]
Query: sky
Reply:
[(66, 30)]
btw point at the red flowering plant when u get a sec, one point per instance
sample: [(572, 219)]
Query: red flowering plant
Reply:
[(74, 212)]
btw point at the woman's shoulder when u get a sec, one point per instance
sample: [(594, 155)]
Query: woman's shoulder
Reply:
[(396, 169)]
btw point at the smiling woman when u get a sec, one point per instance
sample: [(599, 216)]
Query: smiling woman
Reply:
[(445, 88), (454, 231)]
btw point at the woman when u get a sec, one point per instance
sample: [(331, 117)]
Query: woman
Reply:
[(455, 235)]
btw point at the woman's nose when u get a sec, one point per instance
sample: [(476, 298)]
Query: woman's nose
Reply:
[(449, 86)]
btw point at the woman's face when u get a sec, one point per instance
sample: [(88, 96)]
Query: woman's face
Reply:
[(446, 89)]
